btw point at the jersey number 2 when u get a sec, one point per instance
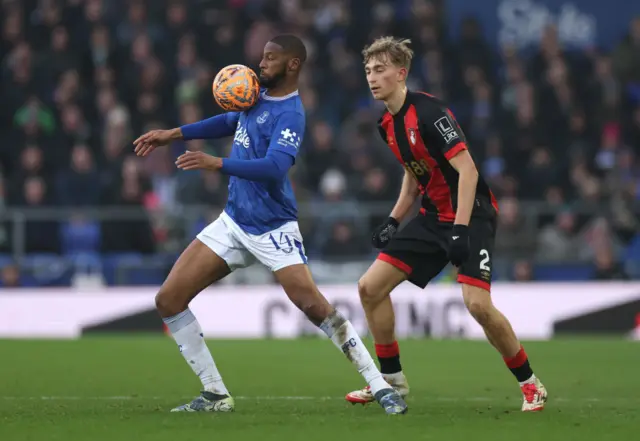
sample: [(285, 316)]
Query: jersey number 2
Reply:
[(483, 262)]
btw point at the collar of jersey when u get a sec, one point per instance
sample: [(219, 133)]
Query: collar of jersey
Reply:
[(278, 98)]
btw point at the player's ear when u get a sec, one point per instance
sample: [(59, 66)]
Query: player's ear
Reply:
[(402, 74), (294, 64)]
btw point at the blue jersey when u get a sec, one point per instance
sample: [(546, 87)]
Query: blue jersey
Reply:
[(273, 123)]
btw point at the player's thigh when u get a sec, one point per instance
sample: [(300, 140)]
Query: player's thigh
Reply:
[(196, 268), (298, 284), (417, 251), (476, 271), (209, 258), (224, 238)]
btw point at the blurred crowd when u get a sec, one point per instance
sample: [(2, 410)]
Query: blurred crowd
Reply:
[(80, 79)]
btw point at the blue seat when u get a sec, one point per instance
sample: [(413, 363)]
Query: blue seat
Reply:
[(563, 272), (46, 269), (115, 266), (632, 252), (136, 269), (144, 276), (80, 236), (5, 259)]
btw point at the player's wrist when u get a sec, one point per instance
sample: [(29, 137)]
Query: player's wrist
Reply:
[(393, 221), (176, 134), (460, 230)]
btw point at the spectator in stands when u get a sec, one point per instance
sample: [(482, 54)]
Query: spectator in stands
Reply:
[(514, 237), (40, 236), (377, 188), (135, 233), (522, 271), (626, 57), (10, 276), (606, 267), (344, 244), (559, 242), (82, 176)]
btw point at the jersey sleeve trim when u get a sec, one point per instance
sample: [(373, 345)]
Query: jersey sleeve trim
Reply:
[(453, 151)]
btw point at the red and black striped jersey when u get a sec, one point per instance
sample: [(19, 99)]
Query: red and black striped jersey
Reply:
[(424, 135)]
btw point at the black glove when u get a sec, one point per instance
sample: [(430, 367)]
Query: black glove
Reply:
[(459, 244), (382, 235)]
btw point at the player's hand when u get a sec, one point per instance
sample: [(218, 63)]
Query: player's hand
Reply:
[(198, 161), (459, 244), (382, 235), (155, 138)]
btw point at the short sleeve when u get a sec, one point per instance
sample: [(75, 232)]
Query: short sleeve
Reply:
[(288, 132), (442, 129)]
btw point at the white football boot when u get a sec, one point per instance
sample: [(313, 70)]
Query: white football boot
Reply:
[(535, 395), (363, 396)]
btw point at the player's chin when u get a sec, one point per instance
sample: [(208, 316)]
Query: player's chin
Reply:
[(266, 81), (377, 94)]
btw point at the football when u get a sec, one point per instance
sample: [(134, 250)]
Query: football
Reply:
[(236, 87)]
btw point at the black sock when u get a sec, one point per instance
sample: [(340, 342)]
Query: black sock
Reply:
[(519, 365), (389, 358)]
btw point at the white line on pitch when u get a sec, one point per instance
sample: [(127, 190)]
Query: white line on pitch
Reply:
[(280, 398)]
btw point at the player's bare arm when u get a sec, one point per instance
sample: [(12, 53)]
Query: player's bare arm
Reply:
[(467, 183), (408, 194), (459, 244)]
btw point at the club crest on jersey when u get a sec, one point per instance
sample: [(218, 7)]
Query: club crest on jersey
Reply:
[(412, 135), (263, 118), (242, 137)]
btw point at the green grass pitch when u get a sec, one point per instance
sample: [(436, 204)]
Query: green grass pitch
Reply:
[(121, 388)]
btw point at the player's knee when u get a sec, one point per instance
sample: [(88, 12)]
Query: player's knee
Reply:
[(311, 302), (315, 311), (167, 304), (369, 294), (315, 307)]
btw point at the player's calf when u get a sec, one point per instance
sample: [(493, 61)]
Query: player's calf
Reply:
[(501, 335), (196, 269), (374, 288), (300, 288)]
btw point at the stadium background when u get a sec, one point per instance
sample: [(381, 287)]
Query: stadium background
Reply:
[(552, 114), (548, 92)]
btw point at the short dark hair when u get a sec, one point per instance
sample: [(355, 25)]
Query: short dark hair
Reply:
[(292, 45)]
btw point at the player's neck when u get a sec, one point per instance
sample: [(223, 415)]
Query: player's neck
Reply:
[(282, 90), (396, 100)]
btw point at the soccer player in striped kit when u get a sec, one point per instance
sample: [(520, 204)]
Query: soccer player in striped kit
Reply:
[(457, 221)]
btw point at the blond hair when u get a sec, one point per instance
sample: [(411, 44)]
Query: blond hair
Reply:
[(391, 49)]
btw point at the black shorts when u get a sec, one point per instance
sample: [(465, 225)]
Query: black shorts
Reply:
[(420, 250)]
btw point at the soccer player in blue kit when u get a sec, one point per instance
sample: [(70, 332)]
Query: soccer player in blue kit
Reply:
[(259, 223)]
